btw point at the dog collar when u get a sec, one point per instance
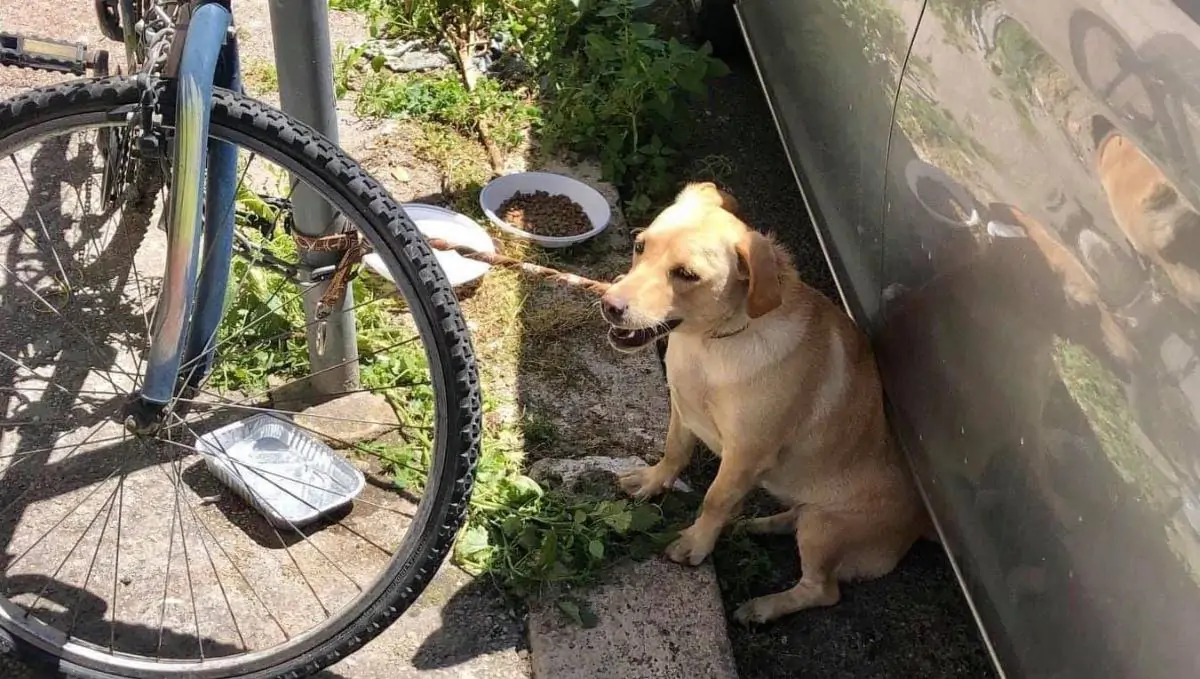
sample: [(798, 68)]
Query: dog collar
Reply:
[(724, 335)]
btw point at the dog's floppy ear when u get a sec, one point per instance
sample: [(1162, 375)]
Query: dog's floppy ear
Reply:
[(709, 194), (756, 262)]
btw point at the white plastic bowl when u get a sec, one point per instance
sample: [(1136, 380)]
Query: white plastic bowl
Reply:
[(437, 222), (503, 188), (917, 170)]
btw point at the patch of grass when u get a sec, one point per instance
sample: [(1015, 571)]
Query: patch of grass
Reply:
[(743, 563), (1102, 399), (442, 98), (956, 16), (260, 77), (714, 167), (462, 162), (933, 129), (620, 96)]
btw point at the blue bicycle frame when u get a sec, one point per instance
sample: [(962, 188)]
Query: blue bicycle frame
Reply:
[(193, 297)]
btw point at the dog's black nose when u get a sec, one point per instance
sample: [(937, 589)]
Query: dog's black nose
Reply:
[(614, 308)]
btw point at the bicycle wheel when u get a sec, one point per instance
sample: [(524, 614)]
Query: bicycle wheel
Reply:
[(122, 555)]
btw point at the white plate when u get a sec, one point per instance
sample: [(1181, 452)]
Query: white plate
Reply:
[(592, 201), (436, 222)]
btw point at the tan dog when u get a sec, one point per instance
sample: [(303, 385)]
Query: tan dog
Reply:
[(777, 381), (1162, 226)]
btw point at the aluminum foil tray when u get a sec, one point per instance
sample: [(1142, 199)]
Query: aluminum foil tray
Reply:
[(289, 477)]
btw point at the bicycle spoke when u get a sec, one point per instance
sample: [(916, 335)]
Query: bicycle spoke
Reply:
[(167, 577), (246, 580), (196, 361), (28, 490), (261, 471), (95, 553), (216, 575), (54, 576), (236, 466), (23, 454), (41, 222), (335, 366), (67, 324), (58, 523), (255, 409), (137, 281), (187, 562), (112, 633), (96, 392), (278, 536)]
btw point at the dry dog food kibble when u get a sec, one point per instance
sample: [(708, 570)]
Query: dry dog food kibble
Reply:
[(545, 214)]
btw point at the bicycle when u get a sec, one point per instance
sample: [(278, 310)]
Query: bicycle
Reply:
[(110, 376)]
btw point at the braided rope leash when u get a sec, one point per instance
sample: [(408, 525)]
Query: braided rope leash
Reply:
[(353, 247), (555, 276)]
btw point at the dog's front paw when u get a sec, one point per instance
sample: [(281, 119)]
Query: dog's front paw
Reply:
[(646, 482), (691, 547), (755, 612)]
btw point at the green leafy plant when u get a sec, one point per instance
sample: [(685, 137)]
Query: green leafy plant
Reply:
[(620, 95)]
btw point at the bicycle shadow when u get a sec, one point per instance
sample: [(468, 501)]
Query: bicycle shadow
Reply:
[(63, 600), (1151, 91)]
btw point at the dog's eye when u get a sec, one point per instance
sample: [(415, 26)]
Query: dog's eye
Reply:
[(684, 274), (639, 247)]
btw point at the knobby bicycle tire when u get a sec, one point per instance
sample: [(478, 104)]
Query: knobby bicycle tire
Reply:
[(435, 311)]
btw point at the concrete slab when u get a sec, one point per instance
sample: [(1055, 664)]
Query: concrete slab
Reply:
[(657, 620), (353, 418)]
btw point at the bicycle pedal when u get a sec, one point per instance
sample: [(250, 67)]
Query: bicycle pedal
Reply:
[(46, 54)]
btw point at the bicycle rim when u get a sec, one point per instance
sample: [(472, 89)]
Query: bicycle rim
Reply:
[(116, 590)]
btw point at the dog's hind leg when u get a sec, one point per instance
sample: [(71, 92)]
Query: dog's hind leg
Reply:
[(822, 539), (776, 524)]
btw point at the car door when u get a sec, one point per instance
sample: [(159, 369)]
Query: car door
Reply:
[(1038, 322), (830, 69)]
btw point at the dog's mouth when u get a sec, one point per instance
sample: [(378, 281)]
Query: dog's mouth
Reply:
[(631, 340)]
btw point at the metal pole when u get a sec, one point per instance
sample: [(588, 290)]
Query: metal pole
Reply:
[(304, 63)]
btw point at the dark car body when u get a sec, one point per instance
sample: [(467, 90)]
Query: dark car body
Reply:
[(1006, 191)]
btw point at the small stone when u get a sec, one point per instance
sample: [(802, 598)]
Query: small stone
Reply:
[(572, 475)]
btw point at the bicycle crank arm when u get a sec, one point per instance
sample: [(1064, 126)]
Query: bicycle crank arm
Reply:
[(45, 54)]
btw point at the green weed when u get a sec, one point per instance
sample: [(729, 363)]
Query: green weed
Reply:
[(619, 93), (442, 98), (261, 78)]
